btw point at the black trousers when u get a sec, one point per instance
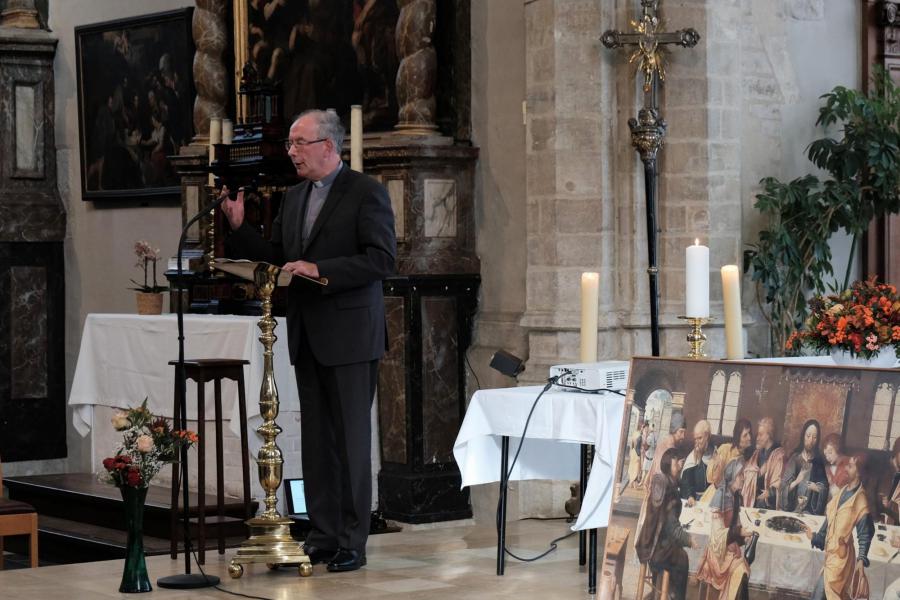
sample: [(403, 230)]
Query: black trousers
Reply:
[(336, 446)]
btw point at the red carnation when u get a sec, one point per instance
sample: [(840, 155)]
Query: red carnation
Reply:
[(133, 477)]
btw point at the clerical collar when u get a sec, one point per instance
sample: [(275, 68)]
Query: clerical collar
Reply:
[(329, 179)]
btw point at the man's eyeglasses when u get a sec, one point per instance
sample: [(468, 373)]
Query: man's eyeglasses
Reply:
[(288, 144)]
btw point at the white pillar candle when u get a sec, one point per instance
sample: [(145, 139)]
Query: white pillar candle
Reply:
[(227, 131), (590, 299), (696, 279), (734, 329), (356, 156), (215, 130)]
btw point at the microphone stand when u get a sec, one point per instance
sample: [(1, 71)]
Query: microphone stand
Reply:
[(186, 580)]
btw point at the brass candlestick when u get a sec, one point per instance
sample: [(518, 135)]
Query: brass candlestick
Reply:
[(270, 540), (696, 337)]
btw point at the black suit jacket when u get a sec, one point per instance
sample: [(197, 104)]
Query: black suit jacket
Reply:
[(353, 244)]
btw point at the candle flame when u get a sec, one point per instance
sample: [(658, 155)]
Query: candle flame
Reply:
[(696, 241)]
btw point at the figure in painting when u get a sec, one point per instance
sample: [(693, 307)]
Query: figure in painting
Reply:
[(889, 499), (739, 447), (675, 437), (648, 450), (632, 474), (373, 40), (762, 476), (693, 475), (723, 565), (835, 464), (847, 512), (804, 485), (661, 539)]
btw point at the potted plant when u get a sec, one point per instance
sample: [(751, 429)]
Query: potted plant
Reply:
[(860, 325), (792, 257), (149, 297), (148, 443)]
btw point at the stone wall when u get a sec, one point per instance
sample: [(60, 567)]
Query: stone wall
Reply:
[(741, 105)]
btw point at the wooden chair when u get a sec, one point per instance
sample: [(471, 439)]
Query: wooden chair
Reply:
[(645, 577), (18, 518)]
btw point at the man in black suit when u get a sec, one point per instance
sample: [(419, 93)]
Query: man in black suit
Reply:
[(336, 224)]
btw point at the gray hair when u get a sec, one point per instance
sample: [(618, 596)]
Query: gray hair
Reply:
[(328, 125)]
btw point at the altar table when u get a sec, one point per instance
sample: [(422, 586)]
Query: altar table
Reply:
[(561, 423), (124, 358)]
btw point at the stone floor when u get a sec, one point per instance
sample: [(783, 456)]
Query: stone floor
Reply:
[(450, 562)]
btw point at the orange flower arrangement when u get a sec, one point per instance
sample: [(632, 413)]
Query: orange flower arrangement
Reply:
[(864, 320)]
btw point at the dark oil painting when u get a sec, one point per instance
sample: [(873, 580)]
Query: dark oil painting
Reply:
[(135, 98)]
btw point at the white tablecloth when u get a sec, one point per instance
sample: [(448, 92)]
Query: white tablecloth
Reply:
[(561, 421), (125, 358)]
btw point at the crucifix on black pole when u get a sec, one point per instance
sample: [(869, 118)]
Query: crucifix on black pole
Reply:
[(649, 129)]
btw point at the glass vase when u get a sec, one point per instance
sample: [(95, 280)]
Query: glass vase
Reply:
[(134, 576)]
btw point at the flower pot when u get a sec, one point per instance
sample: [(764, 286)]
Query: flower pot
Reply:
[(885, 359), (134, 575), (149, 303)]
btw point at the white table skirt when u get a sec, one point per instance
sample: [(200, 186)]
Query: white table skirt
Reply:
[(125, 358), (561, 421)]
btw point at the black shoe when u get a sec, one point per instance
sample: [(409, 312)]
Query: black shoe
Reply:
[(347, 560), (318, 555)]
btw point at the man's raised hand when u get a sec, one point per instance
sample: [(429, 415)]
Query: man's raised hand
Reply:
[(233, 209)]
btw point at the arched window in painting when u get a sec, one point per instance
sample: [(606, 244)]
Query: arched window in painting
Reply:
[(885, 418), (716, 401), (732, 400)]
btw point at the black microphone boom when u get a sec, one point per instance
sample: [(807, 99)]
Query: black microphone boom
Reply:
[(186, 580)]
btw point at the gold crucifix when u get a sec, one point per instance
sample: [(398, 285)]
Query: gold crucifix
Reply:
[(649, 129), (648, 40)]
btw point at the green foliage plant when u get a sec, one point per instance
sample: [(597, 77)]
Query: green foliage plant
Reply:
[(792, 257)]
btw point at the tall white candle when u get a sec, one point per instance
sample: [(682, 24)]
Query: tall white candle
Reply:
[(215, 130), (356, 157), (696, 278), (227, 131), (590, 299), (734, 329)]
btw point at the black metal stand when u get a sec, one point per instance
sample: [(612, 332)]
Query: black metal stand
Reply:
[(504, 486), (187, 580), (583, 470), (648, 130), (501, 525)]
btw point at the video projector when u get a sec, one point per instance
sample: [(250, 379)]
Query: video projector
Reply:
[(604, 375)]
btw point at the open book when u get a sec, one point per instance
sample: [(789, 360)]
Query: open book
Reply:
[(247, 269)]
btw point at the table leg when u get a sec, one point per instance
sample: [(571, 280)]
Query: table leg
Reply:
[(582, 542), (501, 529), (592, 562)]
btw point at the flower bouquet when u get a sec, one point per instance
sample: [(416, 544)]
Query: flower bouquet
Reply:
[(862, 322), (148, 443)]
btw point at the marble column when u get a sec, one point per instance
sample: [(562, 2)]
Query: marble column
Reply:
[(21, 14), (210, 77), (417, 74)]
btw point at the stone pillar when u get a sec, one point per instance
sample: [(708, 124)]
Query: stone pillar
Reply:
[(571, 211), (21, 14), (210, 76), (32, 230), (417, 74)]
